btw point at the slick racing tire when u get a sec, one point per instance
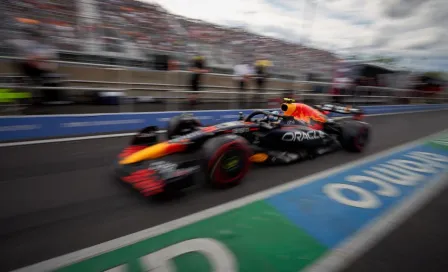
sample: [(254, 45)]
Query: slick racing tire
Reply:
[(226, 160), (354, 136), (180, 125)]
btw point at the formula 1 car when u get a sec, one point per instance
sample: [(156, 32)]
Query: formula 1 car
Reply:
[(223, 153)]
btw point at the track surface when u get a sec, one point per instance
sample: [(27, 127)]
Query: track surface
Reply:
[(419, 244), (60, 197)]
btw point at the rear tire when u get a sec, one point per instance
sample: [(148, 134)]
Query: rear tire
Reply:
[(226, 160), (354, 136)]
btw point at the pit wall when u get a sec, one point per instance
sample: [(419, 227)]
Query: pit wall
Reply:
[(114, 74), (15, 128)]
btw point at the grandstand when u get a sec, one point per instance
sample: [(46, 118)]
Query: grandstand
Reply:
[(107, 31)]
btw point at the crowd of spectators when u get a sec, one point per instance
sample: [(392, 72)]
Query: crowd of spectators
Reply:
[(56, 19), (148, 26), (232, 44), (119, 24)]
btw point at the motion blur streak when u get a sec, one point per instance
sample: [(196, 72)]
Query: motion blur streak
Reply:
[(154, 152), (70, 190)]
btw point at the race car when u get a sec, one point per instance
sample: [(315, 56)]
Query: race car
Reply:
[(221, 155)]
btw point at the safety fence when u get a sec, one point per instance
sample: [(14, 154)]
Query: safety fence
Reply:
[(99, 106), (123, 95), (111, 61)]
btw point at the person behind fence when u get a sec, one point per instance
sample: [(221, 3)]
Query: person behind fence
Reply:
[(261, 67), (198, 69), (35, 62), (241, 75)]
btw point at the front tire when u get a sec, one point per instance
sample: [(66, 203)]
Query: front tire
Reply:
[(226, 160)]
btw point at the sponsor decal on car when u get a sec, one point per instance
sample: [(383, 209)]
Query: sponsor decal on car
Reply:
[(170, 170), (229, 124), (184, 171), (240, 130), (163, 166), (299, 136)]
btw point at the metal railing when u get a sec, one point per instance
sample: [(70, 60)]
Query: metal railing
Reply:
[(147, 63), (175, 97)]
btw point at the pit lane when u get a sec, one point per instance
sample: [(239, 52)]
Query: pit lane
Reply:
[(60, 197)]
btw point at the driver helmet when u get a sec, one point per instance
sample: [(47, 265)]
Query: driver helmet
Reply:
[(274, 118)]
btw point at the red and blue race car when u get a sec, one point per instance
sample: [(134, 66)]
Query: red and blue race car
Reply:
[(220, 155)]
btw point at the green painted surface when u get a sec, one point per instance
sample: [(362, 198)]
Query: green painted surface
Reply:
[(259, 238), (252, 238), (7, 95), (441, 141)]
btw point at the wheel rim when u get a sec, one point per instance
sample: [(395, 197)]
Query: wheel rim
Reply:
[(230, 166)]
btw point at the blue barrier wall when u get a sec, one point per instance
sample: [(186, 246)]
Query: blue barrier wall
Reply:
[(35, 127)]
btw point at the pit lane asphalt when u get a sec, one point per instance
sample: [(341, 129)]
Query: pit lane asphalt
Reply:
[(420, 243), (61, 197)]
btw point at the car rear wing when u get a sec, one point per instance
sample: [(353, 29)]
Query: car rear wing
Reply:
[(326, 108), (341, 109)]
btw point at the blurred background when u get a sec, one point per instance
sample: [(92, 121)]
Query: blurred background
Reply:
[(59, 58), (70, 56)]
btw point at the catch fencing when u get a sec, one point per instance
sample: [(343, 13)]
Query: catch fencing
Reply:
[(124, 95)]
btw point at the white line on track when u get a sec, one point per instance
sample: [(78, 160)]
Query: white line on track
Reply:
[(104, 136), (95, 250), (71, 139)]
